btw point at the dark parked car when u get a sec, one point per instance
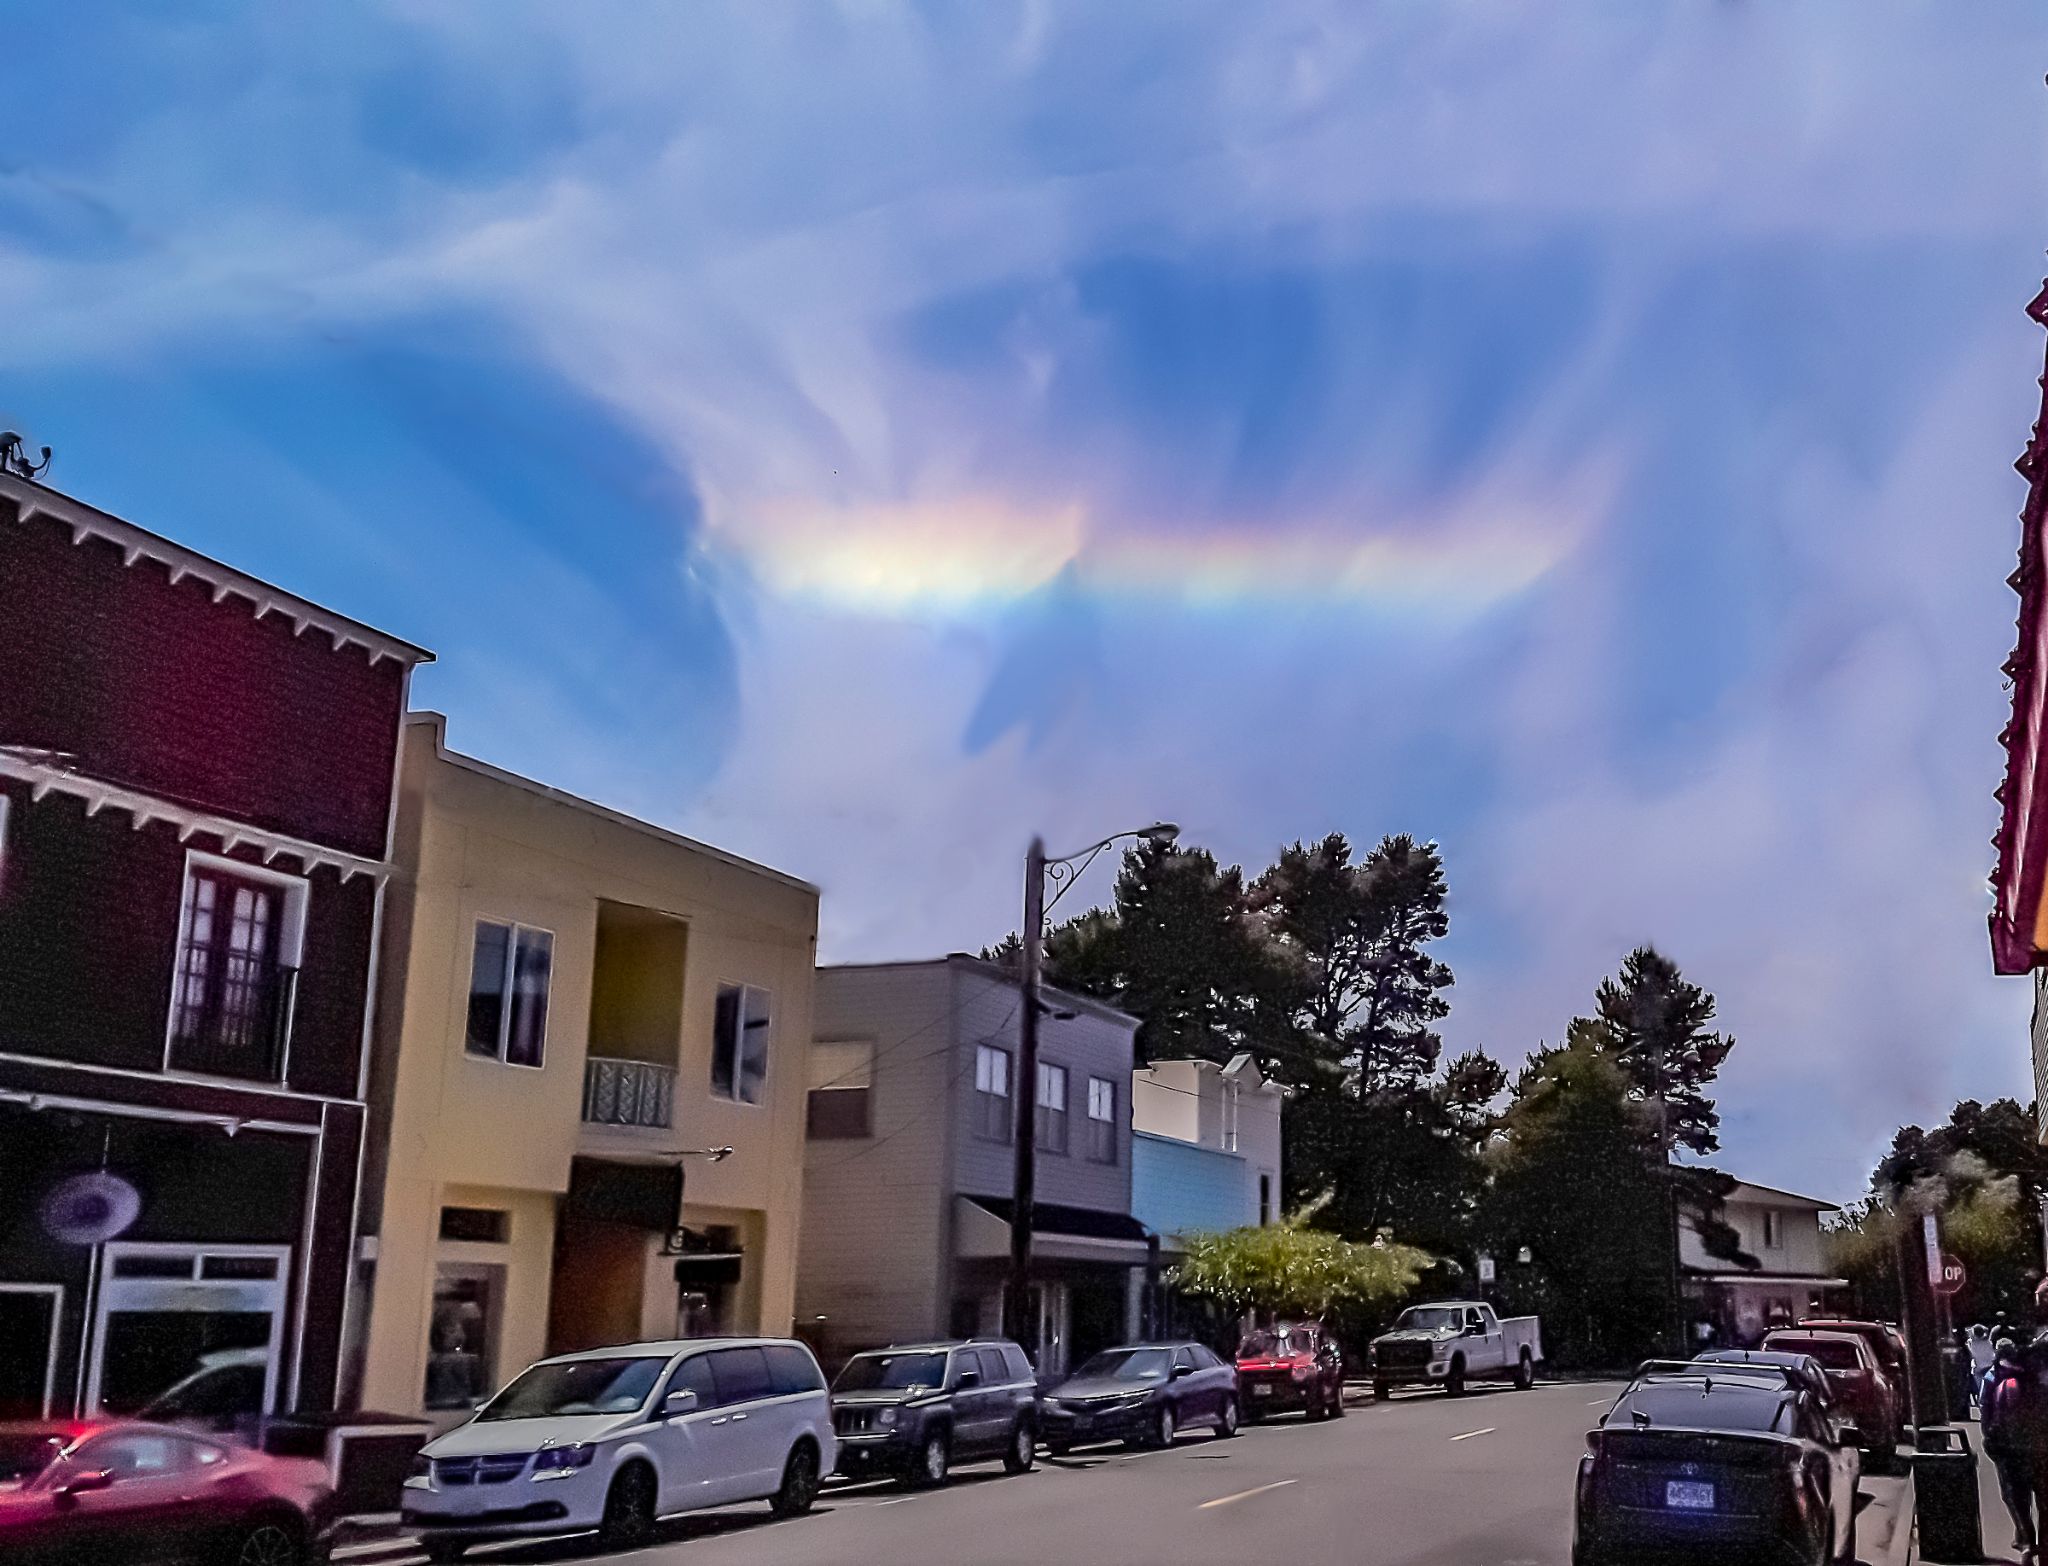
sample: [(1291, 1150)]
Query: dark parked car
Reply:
[(1293, 1365), (139, 1494), (912, 1412), (1717, 1463), (1812, 1374), (1141, 1394)]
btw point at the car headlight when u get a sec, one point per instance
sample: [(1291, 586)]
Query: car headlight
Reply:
[(1053, 1405), (558, 1462), (886, 1416), (421, 1475), (1135, 1400)]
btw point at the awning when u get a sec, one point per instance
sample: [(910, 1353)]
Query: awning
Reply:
[(644, 1196), (1784, 1279), (1058, 1232)]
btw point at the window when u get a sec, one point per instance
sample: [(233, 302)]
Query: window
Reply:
[(1773, 1232), (479, 1225), (994, 1372), (792, 1369), (1052, 1108), (139, 1455), (462, 1338), (842, 1079), (508, 993), (1102, 1120), (741, 1375), (1265, 1200), (1019, 1367), (240, 933), (739, 1043), (694, 1375), (992, 1092)]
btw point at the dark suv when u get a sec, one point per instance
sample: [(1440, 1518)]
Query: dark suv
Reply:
[(913, 1410)]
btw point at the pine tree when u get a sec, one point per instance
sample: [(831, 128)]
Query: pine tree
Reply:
[(1653, 1021)]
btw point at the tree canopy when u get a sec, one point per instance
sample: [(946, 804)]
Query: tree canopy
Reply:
[(1291, 1269)]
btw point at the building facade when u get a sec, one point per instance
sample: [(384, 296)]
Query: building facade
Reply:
[(196, 782), (908, 1171), (1737, 1305), (577, 1011), (1205, 1147)]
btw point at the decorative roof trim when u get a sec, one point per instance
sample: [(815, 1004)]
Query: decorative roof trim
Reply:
[(2022, 841), (45, 774), (34, 501)]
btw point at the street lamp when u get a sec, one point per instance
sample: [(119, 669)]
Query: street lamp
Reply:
[(1063, 870)]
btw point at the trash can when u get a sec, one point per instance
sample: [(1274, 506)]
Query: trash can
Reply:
[(1945, 1495)]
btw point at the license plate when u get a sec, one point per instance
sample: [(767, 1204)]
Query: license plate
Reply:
[(1688, 1495), (1261, 1389)]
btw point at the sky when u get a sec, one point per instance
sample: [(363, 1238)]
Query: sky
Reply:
[(862, 435)]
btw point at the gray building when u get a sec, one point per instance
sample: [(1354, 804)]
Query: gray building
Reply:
[(909, 1156)]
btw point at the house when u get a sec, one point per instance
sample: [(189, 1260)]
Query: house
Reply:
[(1205, 1146), (1780, 1232), (580, 1014), (908, 1170), (196, 781)]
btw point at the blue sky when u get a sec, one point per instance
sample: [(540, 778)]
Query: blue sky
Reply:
[(864, 434)]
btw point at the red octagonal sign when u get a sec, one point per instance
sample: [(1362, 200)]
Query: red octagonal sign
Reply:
[(1952, 1275)]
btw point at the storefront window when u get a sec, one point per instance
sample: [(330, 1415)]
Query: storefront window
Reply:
[(462, 1339)]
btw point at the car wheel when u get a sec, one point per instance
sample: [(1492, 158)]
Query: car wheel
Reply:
[(934, 1459), (1023, 1449), (1163, 1427), (1525, 1371), (269, 1542), (1381, 1391), (1454, 1383), (799, 1484), (628, 1509), (1227, 1422)]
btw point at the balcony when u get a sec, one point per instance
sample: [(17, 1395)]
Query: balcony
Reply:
[(636, 1093), (237, 1027)]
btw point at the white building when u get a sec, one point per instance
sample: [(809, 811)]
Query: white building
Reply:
[(1781, 1231)]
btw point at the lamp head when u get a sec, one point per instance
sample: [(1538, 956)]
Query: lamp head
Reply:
[(1164, 832)]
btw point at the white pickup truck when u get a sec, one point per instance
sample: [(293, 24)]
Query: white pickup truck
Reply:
[(1454, 1342)]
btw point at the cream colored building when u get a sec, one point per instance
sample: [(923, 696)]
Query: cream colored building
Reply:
[(576, 1011)]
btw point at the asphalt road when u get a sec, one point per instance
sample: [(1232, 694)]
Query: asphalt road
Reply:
[(1483, 1480)]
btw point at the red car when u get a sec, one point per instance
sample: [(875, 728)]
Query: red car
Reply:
[(133, 1494), (1856, 1383), (1294, 1365)]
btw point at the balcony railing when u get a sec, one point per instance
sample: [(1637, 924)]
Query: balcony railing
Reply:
[(628, 1093), (239, 1027)]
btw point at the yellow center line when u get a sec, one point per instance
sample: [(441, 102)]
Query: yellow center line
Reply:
[(1246, 1495), (1469, 1434)]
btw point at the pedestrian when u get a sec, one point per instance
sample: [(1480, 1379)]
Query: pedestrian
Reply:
[(1982, 1351), (2011, 1428)]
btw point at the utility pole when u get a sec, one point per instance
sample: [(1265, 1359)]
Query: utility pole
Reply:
[(1676, 1324), (1017, 1294)]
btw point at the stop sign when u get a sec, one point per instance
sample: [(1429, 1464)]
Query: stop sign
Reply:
[(1952, 1275)]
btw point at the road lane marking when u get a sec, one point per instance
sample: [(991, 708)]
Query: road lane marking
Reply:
[(1600, 1402), (1469, 1434), (1245, 1495)]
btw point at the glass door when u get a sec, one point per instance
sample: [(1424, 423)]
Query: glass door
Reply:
[(29, 1313), (191, 1333)]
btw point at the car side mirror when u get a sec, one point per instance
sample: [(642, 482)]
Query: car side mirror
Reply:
[(967, 1378), (1182, 1370), (81, 1484), (681, 1401)]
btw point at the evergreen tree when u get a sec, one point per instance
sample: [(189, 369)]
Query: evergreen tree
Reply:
[(1653, 1021)]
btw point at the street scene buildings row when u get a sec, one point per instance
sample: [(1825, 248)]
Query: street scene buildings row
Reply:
[(339, 1069)]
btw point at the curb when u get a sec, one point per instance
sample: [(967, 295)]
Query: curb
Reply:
[(1895, 1546)]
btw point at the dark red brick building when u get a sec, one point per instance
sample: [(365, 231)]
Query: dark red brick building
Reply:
[(196, 782)]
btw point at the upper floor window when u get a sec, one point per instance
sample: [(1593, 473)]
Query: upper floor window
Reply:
[(739, 1044), (842, 1078), (509, 973), (241, 931), (992, 1092), (1052, 1108), (1774, 1232), (1102, 1120)]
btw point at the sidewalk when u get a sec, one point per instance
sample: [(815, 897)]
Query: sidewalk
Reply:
[(1884, 1529)]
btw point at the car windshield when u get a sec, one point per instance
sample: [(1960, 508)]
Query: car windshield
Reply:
[(1275, 1344), (24, 1454), (1834, 1353), (1127, 1365), (1430, 1318), (1705, 1404), (892, 1372), (576, 1386)]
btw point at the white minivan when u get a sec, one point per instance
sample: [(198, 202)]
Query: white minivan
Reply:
[(613, 1438)]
